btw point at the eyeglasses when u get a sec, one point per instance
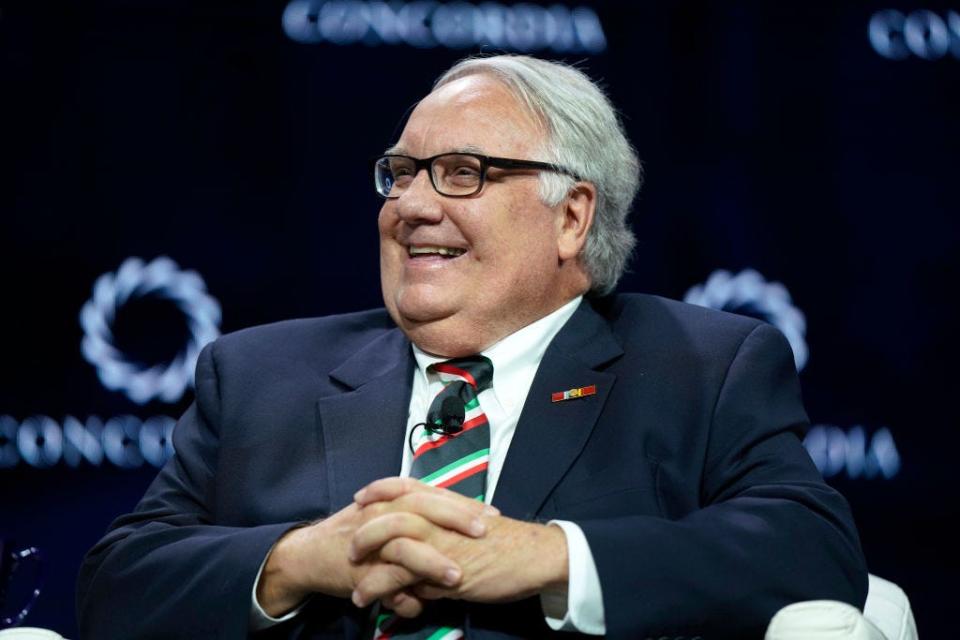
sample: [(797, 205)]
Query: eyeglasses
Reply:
[(457, 175)]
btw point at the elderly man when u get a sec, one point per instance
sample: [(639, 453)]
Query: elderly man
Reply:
[(506, 450)]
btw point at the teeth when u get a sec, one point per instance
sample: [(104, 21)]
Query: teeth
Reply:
[(443, 251)]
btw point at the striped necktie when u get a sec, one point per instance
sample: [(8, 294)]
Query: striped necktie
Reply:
[(455, 462)]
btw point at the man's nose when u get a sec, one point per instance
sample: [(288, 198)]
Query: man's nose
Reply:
[(420, 203)]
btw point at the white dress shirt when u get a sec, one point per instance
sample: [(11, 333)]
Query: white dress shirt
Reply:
[(515, 359)]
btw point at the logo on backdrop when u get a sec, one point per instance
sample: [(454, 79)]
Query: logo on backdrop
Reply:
[(835, 450), (426, 24), (832, 448), (748, 293), (161, 278), (921, 33), (124, 441)]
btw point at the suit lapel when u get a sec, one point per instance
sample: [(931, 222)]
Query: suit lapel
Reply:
[(550, 435), (363, 428)]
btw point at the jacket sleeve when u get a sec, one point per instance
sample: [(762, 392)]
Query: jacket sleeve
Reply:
[(167, 570), (769, 530)]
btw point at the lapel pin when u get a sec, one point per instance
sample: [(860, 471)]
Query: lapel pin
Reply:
[(571, 394)]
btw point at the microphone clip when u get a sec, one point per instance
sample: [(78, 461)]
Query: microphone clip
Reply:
[(448, 422)]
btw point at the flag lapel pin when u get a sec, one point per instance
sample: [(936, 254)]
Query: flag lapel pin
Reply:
[(571, 394)]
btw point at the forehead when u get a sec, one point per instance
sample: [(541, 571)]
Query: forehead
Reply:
[(474, 113)]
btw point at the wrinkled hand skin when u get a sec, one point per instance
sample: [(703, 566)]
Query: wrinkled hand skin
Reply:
[(408, 539), (316, 558)]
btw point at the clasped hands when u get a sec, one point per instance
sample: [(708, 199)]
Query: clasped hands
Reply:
[(403, 543)]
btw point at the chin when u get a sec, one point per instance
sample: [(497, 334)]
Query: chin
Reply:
[(444, 341), (422, 312)]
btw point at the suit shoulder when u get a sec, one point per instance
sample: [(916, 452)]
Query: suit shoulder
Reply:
[(663, 315), (331, 337), (685, 348), (658, 328)]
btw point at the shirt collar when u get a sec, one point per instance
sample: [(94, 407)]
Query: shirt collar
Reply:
[(516, 357)]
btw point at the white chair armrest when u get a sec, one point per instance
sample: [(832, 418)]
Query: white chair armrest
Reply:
[(29, 633), (889, 609), (821, 620)]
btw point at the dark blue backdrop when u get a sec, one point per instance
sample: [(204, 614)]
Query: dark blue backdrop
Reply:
[(776, 137)]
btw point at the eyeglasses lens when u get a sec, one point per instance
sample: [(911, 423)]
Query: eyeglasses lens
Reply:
[(453, 174)]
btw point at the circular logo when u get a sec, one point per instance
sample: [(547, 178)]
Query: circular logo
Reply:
[(164, 279), (748, 293)]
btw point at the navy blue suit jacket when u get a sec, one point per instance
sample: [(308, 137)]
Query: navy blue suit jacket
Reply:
[(685, 471)]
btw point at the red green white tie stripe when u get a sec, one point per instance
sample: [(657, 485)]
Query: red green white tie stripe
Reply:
[(424, 440), (458, 470), (387, 621), (456, 462)]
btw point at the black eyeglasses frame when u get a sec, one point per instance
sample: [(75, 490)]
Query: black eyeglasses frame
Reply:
[(485, 163)]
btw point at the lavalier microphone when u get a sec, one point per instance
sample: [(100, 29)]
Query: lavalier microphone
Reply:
[(449, 420)]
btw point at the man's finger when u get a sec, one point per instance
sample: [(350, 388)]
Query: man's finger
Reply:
[(448, 510), (441, 507), (424, 591), (423, 560), (381, 580), (388, 489), (384, 528), (404, 604)]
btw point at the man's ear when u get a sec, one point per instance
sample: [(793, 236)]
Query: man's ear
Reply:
[(575, 219)]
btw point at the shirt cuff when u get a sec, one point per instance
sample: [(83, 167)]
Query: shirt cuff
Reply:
[(260, 619), (583, 609)]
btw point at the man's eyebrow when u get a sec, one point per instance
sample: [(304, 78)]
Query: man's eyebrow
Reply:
[(470, 148), (398, 150)]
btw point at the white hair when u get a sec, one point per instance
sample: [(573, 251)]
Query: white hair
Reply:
[(585, 136)]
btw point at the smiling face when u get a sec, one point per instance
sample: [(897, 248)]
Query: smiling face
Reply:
[(459, 274)]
